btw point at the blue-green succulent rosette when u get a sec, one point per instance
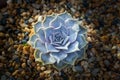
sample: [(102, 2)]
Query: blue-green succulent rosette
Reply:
[(58, 40)]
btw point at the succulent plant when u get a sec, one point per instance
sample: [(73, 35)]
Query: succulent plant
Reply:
[(58, 40)]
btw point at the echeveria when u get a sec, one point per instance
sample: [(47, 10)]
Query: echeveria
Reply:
[(58, 40)]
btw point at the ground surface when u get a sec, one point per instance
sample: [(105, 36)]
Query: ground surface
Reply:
[(101, 17)]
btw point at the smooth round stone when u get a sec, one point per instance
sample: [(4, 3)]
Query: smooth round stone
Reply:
[(43, 68), (38, 68), (23, 65)]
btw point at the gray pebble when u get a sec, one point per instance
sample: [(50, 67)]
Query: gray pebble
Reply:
[(2, 28), (95, 71), (37, 6), (77, 68), (106, 62), (3, 77), (92, 59)]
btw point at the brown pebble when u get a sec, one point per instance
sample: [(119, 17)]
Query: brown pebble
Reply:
[(2, 34), (23, 72), (62, 10), (15, 72), (31, 50), (77, 14), (23, 65), (38, 68), (26, 49), (104, 38), (20, 48), (118, 55), (1, 65), (50, 12), (42, 75)]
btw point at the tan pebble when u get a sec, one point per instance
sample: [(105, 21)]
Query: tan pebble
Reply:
[(50, 12), (7, 35), (89, 39), (42, 75), (2, 34), (118, 55), (24, 14), (15, 72), (17, 66), (23, 65), (38, 68), (1, 65), (77, 14), (31, 57), (10, 40), (15, 46), (47, 71), (43, 68), (23, 72), (26, 49), (104, 38), (62, 10), (20, 48), (13, 63), (31, 50)]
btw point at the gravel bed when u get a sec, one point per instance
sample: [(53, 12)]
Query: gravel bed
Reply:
[(100, 17)]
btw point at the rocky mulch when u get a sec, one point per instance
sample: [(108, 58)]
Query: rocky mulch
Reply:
[(100, 17)]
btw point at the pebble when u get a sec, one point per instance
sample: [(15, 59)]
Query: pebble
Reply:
[(77, 68), (107, 63), (23, 65), (47, 71), (15, 72), (42, 68), (95, 71), (84, 64), (26, 49), (118, 55), (36, 6), (92, 59), (38, 68)]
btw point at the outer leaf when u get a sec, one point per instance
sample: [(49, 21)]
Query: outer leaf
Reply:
[(73, 37), (33, 39), (81, 40), (47, 21), (65, 16), (59, 56), (40, 46), (56, 23), (37, 26), (71, 58), (41, 35), (47, 59), (60, 65)]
